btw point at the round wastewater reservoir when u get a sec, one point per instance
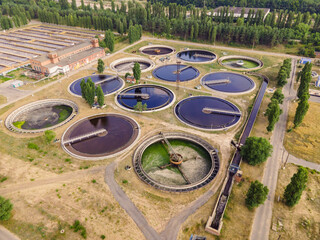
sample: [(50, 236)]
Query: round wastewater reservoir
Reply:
[(41, 115), (108, 83), (207, 113), (241, 62), (153, 97), (169, 72), (176, 162), (125, 65), (197, 56), (100, 136), (228, 82), (157, 50)]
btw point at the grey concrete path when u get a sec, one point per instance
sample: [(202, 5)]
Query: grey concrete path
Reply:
[(315, 99), (262, 220), (128, 206), (304, 163), (6, 235)]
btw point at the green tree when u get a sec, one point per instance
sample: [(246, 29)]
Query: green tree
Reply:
[(100, 66), (74, 5), (109, 40), (278, 95), (5, 208), (256, 150), (294, 189), (90, 91), (100, 96), (256, 194), (49, 135), (302, 109), (140, 107), (136, 71), (273, 112)]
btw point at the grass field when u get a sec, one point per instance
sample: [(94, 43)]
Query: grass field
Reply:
[(303, 142), (3, 99), (303, 220)]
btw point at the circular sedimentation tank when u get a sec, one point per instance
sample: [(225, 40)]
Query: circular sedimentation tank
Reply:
[(100, 136), (155, 162), (207, 113), (152, 97), (41, 115), (157, 50), (196, 56), (228, 82), (108, 83), (169, 72), (242, 63), (125, 65)]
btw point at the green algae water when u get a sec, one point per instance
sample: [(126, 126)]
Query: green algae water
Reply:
[(196, 162)]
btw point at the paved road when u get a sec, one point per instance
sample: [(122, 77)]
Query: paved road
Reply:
[(304, 163), (12, 93), (6, 235), (315, 99), (263, 216), (128, 206)]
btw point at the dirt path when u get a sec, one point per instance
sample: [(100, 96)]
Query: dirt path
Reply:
[(52, 180), (262, 220)]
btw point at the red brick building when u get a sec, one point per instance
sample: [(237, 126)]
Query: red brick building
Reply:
[(69, 58)]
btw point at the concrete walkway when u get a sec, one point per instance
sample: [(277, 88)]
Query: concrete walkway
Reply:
[(304, 163), (262, 220), (6, 235)]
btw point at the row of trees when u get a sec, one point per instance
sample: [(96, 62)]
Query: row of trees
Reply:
[(284, 72), (303, 94), (89, 91), (109, 40), (302, 5)]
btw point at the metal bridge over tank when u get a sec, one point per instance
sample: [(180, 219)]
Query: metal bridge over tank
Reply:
[(203, 55), (182, 69), (142, 95), (220, 111), (106, 80), (85, 136), (219, 81)]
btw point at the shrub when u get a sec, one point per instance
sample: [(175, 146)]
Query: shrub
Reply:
[(33, 146), (5, 208), (256, 150), (256, 194), (77, 226), (49, 136)]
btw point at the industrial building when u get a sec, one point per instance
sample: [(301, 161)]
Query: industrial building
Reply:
[(69, 58)]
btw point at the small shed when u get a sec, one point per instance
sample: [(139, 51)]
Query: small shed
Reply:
[(317, 84), (305, 60), (16, 83), (130, 79)]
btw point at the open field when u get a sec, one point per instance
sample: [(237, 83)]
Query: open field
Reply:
[(303, 142), (303, 220)]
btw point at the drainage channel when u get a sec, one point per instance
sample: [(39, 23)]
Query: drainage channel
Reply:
[(215, 223)]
